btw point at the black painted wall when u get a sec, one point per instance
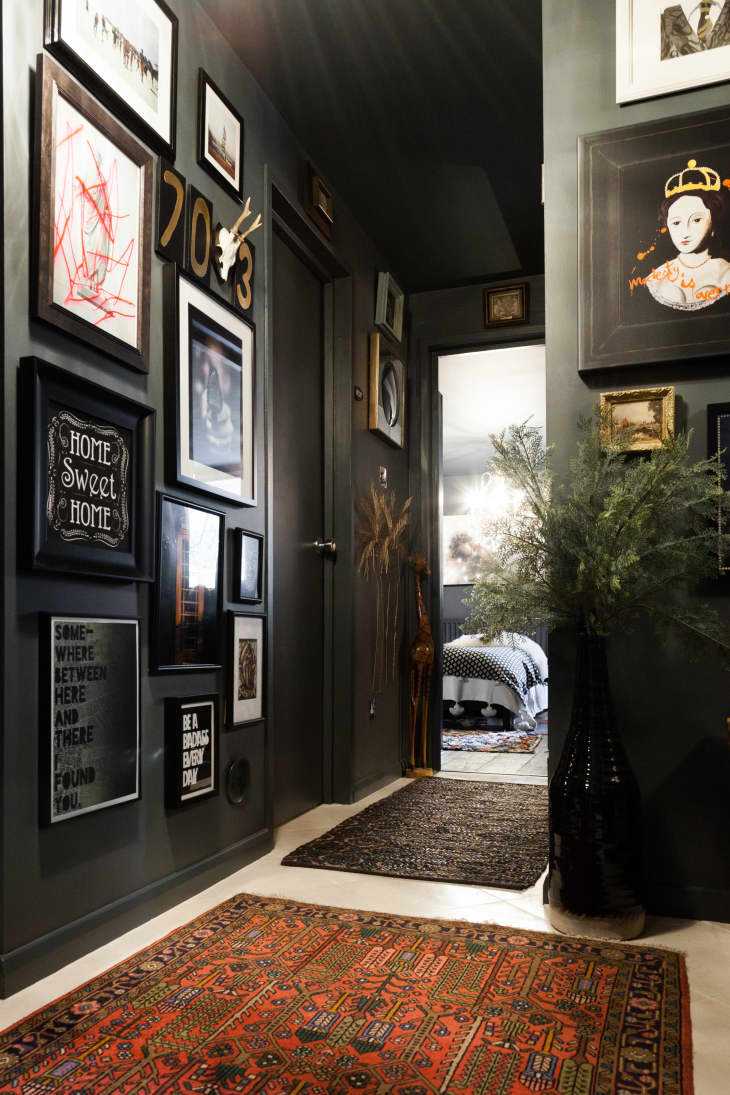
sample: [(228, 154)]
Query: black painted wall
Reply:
[(672, 715), (67, 889)]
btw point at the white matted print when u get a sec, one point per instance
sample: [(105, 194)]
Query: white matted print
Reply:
[(220, 137), (670, 45), (246, 668)]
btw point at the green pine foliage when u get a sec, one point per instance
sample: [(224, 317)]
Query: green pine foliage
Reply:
[(624, 539)]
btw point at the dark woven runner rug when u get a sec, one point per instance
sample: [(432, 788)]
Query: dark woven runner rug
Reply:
[(442, 830), (278, 997)]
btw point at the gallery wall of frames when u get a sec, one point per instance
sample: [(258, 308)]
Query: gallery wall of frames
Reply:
[(137, 715)]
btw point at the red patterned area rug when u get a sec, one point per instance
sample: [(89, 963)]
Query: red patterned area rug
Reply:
[(280, 998)]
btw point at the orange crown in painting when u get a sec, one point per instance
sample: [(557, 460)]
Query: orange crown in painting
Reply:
[(692, 178)]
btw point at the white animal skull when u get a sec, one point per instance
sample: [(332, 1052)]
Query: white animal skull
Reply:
[(228, 240)]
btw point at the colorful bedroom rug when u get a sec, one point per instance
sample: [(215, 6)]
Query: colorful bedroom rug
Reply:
[(502, 741), (443, 830), (276, 997)]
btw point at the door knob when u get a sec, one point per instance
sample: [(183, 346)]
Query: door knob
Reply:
[(325, 547)]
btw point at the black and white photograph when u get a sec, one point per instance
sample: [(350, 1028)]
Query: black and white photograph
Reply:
[(248, 566), (245, 667), (90, 729), (220, 137), (389, 305), (191, 749)]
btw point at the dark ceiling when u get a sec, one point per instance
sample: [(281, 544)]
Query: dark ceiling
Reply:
[(425, 115)]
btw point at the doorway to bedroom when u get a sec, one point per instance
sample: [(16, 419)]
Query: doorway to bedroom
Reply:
[(495, 693)]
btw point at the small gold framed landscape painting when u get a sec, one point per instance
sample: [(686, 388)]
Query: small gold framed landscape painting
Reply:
[(508, 304), (387, 393), (639, 420)]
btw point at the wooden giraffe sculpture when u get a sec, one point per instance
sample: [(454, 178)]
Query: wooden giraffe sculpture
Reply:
[(420, 657)]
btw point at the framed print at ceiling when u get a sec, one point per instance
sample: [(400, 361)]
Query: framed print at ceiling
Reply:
[(90, 714), (186, 617), (639, 419), (670, 45), (245, 665), (87, 469), (654, 242), (93, 187), (191, 749), (718, 448), (387, 407), (506, 304), (220, 137), (389, 303), (210, 356), (248, 566), (125, 53)]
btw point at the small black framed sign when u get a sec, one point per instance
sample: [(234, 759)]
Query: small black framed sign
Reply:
[(87, 469), (90, 714), (191, 749), (248, 566), (220, 137), (245, 661)]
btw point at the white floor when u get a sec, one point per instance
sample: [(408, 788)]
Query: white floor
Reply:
[(498, 767), (707, 945)]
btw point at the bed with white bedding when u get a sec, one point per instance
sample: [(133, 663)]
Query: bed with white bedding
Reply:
[(511, 671)]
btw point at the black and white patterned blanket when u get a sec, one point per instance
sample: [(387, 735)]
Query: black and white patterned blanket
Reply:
[(508, 664)]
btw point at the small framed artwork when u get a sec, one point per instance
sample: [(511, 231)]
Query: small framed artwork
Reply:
[(506, 304), (220, 137), (126, 55), (191, 749), (210, 355), (199, 235), (87, 463), (638, 420), (389, 306), (319, 203), (243, 279), (170, 234), (664, 46), (718, 448), (248, 566), (245, 668), (387, 410), (654, 249), (188, 595), (93, 186), (90, 714)]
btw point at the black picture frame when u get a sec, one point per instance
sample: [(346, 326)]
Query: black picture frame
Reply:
[(86, 461), (170, 219), (506, 305), (76, 55), (189, 306), (248, 627), (186, 619), (248, 547), (718, 448), (198, 717), (106, 290), (90, 714), (625, 249), (212, 154)]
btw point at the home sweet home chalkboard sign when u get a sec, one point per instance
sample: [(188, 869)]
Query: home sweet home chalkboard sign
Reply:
[(87, 460)]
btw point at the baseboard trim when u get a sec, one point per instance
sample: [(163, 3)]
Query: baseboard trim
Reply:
[(689, 902), (23, 965), (370, 784)]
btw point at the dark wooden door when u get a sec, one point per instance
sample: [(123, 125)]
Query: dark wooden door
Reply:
[(298, 521)]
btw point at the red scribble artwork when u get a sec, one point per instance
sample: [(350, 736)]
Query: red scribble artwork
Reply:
[(95, 254)]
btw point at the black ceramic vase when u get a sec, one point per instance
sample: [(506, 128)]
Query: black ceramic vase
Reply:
[(595, 878)]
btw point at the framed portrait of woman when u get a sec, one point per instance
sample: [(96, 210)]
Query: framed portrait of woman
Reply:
[(654, 242)]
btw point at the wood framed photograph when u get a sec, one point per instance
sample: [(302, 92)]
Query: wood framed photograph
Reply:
[(210, 358), (319, 203), (389, 303), (654, 242), (90, 714), (191, 749), (220, 137), (664, 46), (506, 304), (170, 229), (248, 566), (718, 448), (125, 53), (187, 606), (87, 476), (639, 420), (387, 407), (93, 224), (245, 662)]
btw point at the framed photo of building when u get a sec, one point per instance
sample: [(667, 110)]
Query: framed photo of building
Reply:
[(654, 242), (245, 663), (639, 420), (670, 45), (248, 566), (186, 618), (210, 381), (93, 222), (89, 714), (718, 448), (191, 749), (87, 472), (125, 53), (220, 137), (506, 304), (389, 304), (387, 409)]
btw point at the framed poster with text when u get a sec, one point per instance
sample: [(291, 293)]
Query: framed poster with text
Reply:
[(191, 749)]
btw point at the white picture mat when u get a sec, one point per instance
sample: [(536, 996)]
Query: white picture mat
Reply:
[(248, 627), (185, 796), (640, 71), (129, 16), (217, 115), (240, 486)]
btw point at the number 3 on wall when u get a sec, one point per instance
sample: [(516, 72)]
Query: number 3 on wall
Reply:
[(243, 281)]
